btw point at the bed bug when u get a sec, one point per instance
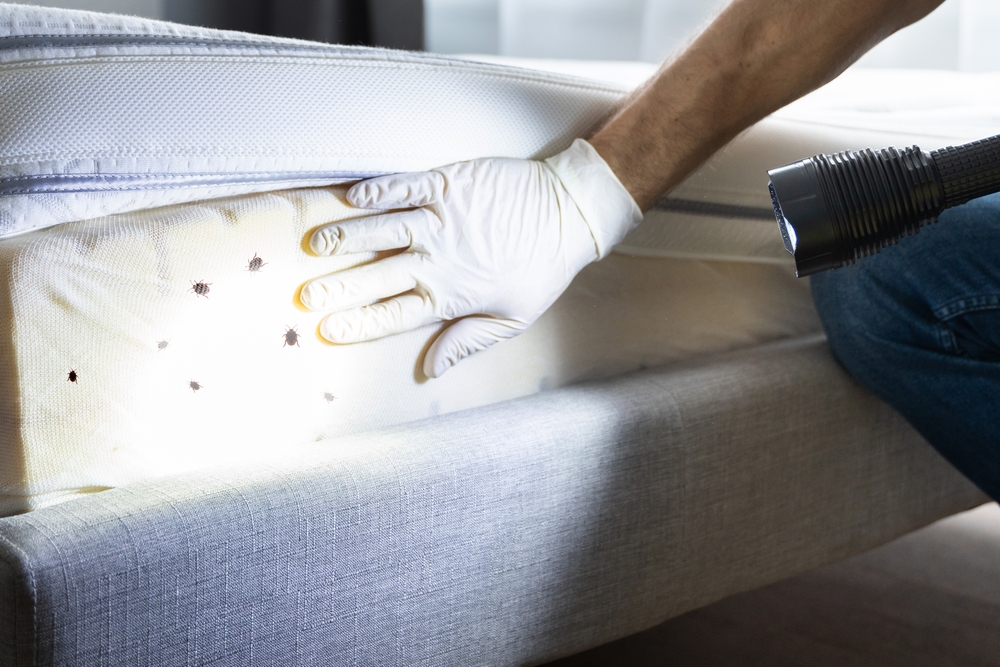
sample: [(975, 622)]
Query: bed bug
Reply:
[(71, 377), (255, 264), (194, 386), (201, 288), (162, 345), (330, 398), (291, 337)]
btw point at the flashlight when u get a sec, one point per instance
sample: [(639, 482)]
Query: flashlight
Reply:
[(835, 209)]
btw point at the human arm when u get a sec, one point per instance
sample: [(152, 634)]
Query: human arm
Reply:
[(754, 58), (492, 243)]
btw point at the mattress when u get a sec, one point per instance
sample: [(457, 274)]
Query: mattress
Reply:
[(157, 183), (118, 367)]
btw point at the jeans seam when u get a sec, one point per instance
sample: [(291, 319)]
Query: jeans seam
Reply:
[(967, 304)]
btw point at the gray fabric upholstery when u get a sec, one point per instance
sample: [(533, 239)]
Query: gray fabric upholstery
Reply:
[(506, 535)]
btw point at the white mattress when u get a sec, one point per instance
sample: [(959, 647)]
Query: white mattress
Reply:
[(128, 135), (98, 297)]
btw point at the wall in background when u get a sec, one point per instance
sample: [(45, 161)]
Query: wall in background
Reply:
[(461, 26), (151, 9), (961, 34), (392, 23)]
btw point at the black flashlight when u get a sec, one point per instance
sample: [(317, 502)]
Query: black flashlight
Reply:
[(835, 209)]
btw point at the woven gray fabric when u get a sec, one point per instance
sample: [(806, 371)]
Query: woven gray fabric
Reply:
[(507, 535)]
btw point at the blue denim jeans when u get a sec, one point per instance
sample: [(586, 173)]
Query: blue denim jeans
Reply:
[(919, 325)]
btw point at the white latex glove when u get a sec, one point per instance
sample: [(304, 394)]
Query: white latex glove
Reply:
[(492, 241)]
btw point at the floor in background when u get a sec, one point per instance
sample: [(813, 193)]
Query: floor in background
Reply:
[(931, 598)]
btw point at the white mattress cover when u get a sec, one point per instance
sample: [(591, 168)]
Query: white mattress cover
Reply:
[(103, 114)]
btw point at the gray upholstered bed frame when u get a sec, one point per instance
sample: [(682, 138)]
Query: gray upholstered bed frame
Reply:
[(507, 535)]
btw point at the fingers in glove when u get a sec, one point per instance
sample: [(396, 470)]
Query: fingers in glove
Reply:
[(360, 285), (398, 190), (374, 233), (464, 338), (386, 318)]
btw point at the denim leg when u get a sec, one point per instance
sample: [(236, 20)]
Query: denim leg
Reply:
[(919, 325)]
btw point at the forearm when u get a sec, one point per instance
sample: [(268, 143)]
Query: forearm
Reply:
[(757, 56)]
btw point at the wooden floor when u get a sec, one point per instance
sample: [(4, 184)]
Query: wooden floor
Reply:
[(931, 598)]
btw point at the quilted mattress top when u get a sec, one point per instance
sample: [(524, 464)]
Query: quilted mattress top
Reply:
[(104, 114)]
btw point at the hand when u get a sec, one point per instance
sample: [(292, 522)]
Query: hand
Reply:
[(493, 242)]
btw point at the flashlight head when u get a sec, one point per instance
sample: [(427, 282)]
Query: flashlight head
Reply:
[(805, 222), (835, 209)]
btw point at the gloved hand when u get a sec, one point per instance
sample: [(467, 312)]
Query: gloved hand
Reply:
[(492, 241)]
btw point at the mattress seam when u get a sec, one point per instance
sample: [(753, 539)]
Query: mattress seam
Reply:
[(482, 69)]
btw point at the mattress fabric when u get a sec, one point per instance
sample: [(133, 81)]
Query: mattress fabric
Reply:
[(104, 114), (170, 340)]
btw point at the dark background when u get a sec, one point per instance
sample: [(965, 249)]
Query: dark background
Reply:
[(396, 24)]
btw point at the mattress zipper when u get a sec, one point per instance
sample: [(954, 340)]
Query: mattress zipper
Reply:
[(87, 183), (713, 210)]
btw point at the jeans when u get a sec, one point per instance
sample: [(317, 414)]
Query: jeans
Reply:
[(919, 325)]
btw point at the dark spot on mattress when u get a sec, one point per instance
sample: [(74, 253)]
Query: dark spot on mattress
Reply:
[(201, 288), (255, 264), (194, 386), (71, 377), (291, 337)]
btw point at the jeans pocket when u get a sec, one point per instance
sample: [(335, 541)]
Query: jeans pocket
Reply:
[(970, 327)]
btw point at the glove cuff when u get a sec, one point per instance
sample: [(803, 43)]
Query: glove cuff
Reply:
[(607, 207)]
